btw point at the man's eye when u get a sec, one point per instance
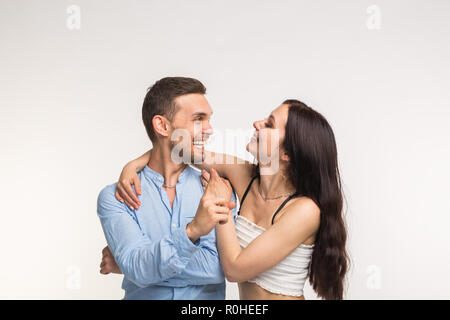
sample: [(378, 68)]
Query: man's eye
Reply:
[(268, 125)]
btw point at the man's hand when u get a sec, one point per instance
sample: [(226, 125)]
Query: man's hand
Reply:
[(204, 179), (108, 264), (215, 207), (221, 188)]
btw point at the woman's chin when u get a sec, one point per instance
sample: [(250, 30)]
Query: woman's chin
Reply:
[(252, 149), (249, 148)]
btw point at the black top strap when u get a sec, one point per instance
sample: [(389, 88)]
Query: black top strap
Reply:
[(245, 194), (282, 205)]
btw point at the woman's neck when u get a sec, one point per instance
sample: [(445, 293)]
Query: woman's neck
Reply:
[(271, 186)]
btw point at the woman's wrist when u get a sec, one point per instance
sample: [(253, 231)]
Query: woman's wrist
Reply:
[(139, 164), (134, 165)]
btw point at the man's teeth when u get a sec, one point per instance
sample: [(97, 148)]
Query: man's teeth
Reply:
[(199, 143)]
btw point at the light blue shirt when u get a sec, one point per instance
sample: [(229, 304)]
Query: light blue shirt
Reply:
[(151, 247)]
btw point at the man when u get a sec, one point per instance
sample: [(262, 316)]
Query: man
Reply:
[(165, 245)]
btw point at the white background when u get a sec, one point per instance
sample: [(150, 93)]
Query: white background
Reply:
[(70, 118)]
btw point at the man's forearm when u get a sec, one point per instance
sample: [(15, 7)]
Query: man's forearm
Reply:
[(149, 262)]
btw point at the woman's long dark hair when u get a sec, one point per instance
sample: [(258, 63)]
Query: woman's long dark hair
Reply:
[(313, 171)]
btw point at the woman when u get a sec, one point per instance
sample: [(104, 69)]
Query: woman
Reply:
[(290, 225)]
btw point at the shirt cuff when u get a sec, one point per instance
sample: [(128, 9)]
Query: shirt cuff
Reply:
[(183, 244)]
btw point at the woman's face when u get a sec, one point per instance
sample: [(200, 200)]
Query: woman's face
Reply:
[(266, 143)]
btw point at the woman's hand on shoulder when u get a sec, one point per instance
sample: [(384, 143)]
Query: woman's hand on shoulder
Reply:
[(124, 190)]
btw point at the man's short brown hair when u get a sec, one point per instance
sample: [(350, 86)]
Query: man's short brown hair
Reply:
[(160, 99)]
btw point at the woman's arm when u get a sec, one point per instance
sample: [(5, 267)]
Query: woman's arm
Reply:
[(237, 170), (223, 163), (128, 177), (299, 222)]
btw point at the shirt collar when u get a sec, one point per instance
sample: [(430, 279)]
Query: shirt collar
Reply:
[(158, 179)]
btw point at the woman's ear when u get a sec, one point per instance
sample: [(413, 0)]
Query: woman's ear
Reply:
[(285, 157), (161, 125)]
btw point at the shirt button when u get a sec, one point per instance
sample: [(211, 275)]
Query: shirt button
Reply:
[(174, 225)]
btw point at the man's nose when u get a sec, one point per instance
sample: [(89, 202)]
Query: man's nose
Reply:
[(208, 129)]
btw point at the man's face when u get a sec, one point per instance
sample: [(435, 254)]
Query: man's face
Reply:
[(191, 127)]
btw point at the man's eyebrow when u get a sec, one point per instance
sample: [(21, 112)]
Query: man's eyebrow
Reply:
[(200, 114), (273, 118)]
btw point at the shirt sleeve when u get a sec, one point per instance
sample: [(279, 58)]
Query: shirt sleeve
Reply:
[(204, 267), (142, 261)]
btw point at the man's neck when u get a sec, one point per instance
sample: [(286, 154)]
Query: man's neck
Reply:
[(161, 162)]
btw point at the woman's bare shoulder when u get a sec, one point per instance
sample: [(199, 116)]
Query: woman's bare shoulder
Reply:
[(302, 210), (298, 221)]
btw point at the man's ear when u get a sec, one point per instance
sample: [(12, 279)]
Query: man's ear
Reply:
[(161, 125)]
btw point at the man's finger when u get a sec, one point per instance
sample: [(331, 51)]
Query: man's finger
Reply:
[(204, 181), (214, 174), (221, 210), (206, 175), (209, 187), (220, 202), (222, 218), (231, 204), (227, 182)]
